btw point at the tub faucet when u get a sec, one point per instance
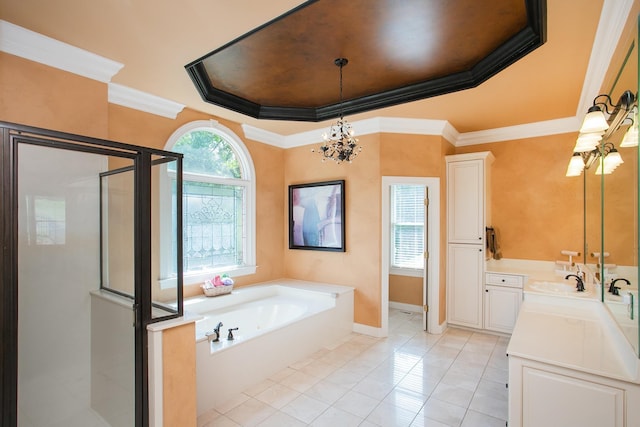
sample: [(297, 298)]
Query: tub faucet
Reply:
[(214, 336), (614, 289), (579, 282)]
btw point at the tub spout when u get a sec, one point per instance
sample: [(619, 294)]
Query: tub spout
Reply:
[(214, 336)]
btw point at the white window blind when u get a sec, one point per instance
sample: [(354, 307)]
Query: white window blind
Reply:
[(407, 222)]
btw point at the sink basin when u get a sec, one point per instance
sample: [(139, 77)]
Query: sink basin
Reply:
[(559, 288)]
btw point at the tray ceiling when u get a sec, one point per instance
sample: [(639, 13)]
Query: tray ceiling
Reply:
[(397, 51)]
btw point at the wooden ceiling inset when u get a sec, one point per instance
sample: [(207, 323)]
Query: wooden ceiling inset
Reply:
[(398, 51)]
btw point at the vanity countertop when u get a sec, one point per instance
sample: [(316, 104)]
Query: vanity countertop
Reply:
[(574, 335), (533, 270)]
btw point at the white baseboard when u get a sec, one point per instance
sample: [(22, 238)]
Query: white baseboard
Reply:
[(405, 307), (368, 330), (438, 329)]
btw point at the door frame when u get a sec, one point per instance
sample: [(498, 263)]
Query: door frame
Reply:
[(433, 248)]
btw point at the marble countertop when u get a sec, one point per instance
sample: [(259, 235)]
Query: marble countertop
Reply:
[(534, 271), (578, 335)]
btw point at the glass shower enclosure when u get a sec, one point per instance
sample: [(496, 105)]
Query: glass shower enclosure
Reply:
[(79, 281)]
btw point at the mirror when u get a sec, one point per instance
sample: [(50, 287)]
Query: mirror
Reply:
[(619, 207)]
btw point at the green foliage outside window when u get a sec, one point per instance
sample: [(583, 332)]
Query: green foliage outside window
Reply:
[(208, 154)]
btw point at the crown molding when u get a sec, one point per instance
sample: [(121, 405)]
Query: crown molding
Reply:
[(361, 127), (264, 136), (529, 130), (35, 47), (138, 100), (612, 21), (422, 127)]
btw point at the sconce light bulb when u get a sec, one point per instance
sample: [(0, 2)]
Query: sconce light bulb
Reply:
[(594, 121), (630, 137)]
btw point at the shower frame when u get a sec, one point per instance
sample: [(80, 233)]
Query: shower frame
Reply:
[(11, 135)]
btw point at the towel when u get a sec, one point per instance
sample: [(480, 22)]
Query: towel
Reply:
[(492, 243)]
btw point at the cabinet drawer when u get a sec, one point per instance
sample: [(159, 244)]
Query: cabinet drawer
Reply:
[(513, 280)]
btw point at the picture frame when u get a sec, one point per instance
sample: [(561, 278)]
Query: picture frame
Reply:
[(316, 216)]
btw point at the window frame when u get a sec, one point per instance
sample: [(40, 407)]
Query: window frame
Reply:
[(248, 181), (403, 271)]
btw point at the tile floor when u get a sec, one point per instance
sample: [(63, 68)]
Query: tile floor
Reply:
[(410, 378)]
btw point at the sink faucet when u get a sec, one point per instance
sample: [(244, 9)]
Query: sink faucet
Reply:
[(614, 289), (579, 282)]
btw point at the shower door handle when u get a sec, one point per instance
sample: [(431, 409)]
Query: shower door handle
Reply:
[(134, 310)]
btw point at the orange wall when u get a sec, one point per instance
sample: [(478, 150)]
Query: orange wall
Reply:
[(37, 95), (536, 210), (359, 266), (383, 155), (405, 289), (179, 376)]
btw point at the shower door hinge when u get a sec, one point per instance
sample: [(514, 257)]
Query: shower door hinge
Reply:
[(425, 308)]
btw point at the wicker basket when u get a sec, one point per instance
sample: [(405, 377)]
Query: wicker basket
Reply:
[(218, 290)]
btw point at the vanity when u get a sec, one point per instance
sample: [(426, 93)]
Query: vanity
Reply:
[(574, 357), (570, 364)]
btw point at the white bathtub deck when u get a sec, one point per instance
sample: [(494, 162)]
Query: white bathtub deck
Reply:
[(226, 368)]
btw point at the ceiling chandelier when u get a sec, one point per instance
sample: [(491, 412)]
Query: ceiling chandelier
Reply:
[(339, 144), (594, 143)]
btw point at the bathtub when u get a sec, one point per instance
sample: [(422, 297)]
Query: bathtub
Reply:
[(278, 323)]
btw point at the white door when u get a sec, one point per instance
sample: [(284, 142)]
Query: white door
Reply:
[(425, 275)]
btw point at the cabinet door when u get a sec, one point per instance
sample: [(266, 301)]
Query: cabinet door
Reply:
[(464, 285), (465, 207), (501, 307), (550, 399)]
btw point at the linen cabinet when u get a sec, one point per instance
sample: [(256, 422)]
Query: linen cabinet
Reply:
[(468, 214)]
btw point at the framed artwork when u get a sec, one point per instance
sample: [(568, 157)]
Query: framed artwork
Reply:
[(316, 216)]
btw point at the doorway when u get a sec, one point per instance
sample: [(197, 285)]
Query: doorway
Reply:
[(431, 258)]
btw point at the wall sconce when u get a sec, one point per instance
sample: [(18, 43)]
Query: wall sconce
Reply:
[(593, 141)]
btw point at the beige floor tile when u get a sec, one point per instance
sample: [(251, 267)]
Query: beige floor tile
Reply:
[(410, 378)]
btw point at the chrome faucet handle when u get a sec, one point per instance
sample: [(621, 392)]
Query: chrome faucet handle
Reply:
[(230, 336)]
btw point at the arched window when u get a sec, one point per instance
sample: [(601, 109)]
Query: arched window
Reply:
[(218, 203)]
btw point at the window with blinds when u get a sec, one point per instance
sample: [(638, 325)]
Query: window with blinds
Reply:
[(407, 224)]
